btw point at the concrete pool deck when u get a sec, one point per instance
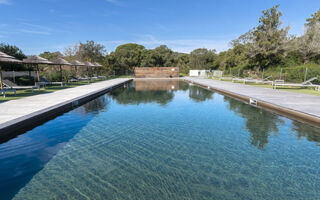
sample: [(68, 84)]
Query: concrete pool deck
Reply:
[(17, 114), (298, 106)]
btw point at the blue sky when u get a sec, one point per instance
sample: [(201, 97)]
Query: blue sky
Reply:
[(50, 25)]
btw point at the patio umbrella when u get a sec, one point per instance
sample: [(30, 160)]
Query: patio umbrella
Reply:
[(4, 58), (36, 60), (97, 64), (77, 63), (88, 64), (60, 62)]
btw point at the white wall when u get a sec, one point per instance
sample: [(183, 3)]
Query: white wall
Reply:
[(194, 73)]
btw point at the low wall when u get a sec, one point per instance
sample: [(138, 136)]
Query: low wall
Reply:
[(156, 72)]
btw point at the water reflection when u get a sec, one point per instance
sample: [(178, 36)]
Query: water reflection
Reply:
[(95, 106), (198, 94), (261, 124), (22, 157), (131, 96), (158, 91), (310, 133), (156, 85)]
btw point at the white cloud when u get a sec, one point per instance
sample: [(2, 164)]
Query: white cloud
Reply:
[(35, 26), (35, 32), (5, 2)]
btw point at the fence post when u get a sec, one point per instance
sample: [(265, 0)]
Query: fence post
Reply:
[(262, 73), (281, 74)]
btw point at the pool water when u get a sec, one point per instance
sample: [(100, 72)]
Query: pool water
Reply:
[(163, 140)]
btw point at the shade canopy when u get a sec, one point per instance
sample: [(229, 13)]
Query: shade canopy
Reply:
[(77, 63), (36, 60), (60, 61), (5, 58), (89, 64), (97, 64)]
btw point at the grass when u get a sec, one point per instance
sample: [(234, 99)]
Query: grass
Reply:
[(309, 91), (49, 89)]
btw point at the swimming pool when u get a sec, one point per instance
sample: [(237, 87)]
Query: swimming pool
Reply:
[(163, 140)]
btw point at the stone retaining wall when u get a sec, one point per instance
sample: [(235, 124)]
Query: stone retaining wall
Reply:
[(156, 72)]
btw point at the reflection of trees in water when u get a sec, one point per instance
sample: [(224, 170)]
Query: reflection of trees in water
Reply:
[(184, 86), (131, 96), (95, 106), (303, 130), (198, 94), (156, 84), (261, 124)]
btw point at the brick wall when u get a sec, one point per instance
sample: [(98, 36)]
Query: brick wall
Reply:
[(156, 72)]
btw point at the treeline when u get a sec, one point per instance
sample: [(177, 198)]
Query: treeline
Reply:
[(267, 46)]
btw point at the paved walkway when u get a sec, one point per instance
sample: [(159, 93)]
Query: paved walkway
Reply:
[(303, 103), (17, 109)]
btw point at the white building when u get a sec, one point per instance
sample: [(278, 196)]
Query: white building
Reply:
[(201, 73)]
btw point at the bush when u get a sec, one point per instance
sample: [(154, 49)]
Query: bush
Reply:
[(295, 74)]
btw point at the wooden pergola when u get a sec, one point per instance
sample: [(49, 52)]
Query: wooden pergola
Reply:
[(36, 60), (77, 64), (61, 62), (4, 58), (88, 64)]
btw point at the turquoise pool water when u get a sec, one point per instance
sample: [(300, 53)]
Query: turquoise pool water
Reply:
[(163, 140)]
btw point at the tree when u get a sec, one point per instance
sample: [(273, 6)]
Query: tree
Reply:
[(202, 58), (308, 45), (268, 39), (51, 55), (128, 56), (314, 19), (183, 62), (89, 51), (14, 51)]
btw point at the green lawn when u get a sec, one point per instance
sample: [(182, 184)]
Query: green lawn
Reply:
[(26, 93)]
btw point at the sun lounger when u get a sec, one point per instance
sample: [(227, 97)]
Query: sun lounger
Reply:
[(238, 79), (102, 77), (264, 81), (10, 86), (84, 78), (4, 90), (44, 82), (225, 78), (308, 83), (73, 79)]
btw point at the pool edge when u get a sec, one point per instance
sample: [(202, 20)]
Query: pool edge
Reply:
[(14, 127), (280, 110)]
